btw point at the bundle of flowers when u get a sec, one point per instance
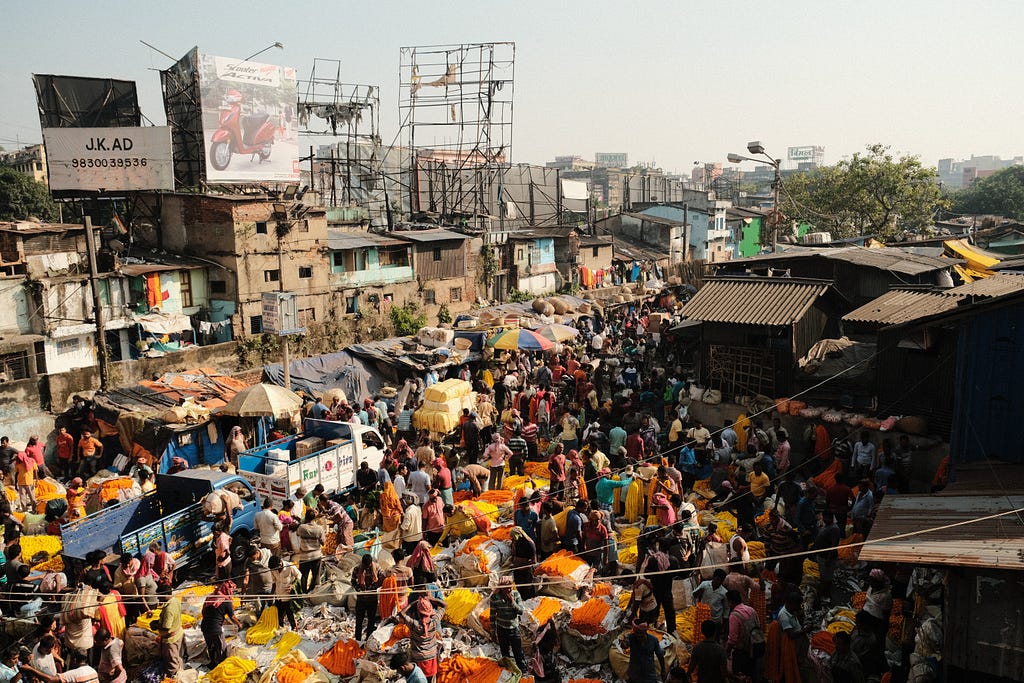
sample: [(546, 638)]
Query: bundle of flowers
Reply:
[(459, 603), (588, 618), (340, 660)]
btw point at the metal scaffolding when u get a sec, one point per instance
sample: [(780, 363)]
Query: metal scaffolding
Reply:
[(455, 108)]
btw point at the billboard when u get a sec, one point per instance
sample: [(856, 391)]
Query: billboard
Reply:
[(250, 130), (80, 102), (111, 159), (808, 153)]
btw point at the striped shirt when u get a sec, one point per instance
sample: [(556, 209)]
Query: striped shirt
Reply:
[(506, 609)]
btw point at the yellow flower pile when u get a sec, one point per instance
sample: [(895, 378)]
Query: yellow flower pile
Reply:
[(231, 670), (839, 626), (537, 469), (757, 551), (689, 620), (263, 631), (459, 603), (624, 598), (31, 545), (627, 545), (727, 523), (294, 672), (634, 501), (149, 623), (54, 564), (517, 482), (474, 547), (12, 494), (288, 642), (496, 496), (811, 569)]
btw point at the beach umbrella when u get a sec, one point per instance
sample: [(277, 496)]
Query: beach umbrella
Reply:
[(558, 333), (263, 400), (523, 340)]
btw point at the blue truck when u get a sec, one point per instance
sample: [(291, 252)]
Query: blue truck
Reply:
[(172, 515)]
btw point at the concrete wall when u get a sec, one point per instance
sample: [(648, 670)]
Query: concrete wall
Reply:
[(14, 306), (68, 353)]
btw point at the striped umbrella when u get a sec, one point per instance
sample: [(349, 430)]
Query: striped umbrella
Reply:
[(524, 340), (558, 333)]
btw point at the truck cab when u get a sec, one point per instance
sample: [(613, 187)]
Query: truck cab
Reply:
[(171, 515)]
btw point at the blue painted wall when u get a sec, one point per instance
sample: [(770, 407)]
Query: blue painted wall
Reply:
[(989, 404), (699, 225)]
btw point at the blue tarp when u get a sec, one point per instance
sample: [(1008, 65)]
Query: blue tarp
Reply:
[(341, 370)]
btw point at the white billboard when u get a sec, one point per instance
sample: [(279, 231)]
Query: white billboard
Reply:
[(806, 153), (109, 159), (250, 128)]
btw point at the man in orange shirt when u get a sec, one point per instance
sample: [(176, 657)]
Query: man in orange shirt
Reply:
[(90, 450), (66, 452)]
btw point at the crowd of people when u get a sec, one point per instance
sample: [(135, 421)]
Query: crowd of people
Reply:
[(608, 408)]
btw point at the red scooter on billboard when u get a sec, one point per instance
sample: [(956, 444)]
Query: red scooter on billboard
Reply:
[(239, 134)]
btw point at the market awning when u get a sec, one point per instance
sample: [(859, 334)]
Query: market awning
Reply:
[(919, 530)]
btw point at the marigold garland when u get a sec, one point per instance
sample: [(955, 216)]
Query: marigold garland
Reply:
[(587, 617), (340, 660), (547, 608), (295, 672), (458, 605)]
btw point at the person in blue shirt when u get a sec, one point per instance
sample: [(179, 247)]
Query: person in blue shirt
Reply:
[(526, 519), (319, 409), (573, 538), (606, 486), (687, 465), (413, 674)]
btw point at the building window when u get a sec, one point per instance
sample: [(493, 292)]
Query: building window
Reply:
[(519, 254), (428, 297), (306, 316), (393, 256), (261, 227), (456, 294), (595, 252), (305, 272), (68, 345), (351, 304), (256, 324), (14, 366), (437, 253), (186, 289), (303, 226), (271, 275), (218, 287)]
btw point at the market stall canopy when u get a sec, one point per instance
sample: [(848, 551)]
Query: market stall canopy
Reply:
[(263, 400), (558, 333), (523, 340)]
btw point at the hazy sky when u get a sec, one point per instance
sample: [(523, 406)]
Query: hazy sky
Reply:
[(674, 82)]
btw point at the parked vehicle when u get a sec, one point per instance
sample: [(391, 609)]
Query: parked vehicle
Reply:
[(326, 453), (237, 134), (172, 514)]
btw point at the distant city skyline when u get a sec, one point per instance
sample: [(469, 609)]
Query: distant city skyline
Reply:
[(670, 82)]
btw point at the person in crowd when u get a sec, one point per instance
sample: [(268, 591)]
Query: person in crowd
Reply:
[(366, 580), (310, 552), (506, 610), (424, 628), (286, 576), (217, 609), (708, 661), (643, 649), (269, 526), (497, 455), (168, 629)]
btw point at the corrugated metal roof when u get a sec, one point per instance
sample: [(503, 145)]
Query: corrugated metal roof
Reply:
[(338, 239), (900, 306), (997, 285), (651, 218), (754, 301), (439, 235), (997, 543), (888, 258)]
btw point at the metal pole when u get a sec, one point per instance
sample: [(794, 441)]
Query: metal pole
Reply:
[(285, 351), (101, 332), (776, 214)]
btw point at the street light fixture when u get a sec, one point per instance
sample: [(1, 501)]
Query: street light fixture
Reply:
[(279, 46), (757, 148)]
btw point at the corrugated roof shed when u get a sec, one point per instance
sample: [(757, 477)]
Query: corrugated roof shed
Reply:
[(338, 239), (997, 285), (439, 235), (900, 306), (651, 218), (754, 301), (888, 258), (995, 543)]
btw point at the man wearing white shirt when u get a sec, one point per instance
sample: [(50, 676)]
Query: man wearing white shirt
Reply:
[(399, 480), (269, 526)]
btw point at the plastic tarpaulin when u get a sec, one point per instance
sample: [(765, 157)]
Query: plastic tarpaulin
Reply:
[(356, 377), (164, 323)]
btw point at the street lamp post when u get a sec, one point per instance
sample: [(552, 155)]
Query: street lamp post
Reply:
[(279, 46), (756, 148)]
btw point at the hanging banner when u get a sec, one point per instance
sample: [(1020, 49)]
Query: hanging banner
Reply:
[(109, 159)]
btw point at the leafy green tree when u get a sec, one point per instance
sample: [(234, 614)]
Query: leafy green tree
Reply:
[(1000, 194), (407, 320), (875, 193), (22, 197)]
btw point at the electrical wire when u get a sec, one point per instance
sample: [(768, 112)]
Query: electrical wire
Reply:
[(133, 600)]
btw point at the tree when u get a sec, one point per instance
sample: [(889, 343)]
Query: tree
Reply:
[(22, 197), (869, 194), (406, 319), (1000, 194)]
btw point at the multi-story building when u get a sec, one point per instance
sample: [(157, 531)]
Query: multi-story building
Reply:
[(956, 174), (29, 160)]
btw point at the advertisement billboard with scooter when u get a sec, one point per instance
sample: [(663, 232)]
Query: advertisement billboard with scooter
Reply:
[(250, 130)]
